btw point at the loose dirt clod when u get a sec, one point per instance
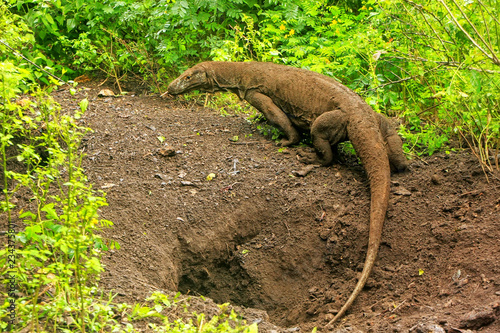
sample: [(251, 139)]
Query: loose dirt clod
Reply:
[(304, 171), (478, 318)]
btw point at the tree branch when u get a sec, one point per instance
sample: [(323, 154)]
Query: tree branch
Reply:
[(493, 58), (445, 63)]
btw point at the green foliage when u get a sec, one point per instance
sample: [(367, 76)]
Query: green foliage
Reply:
[(450, 53), (57, 261), (13, 30), (162, 306), (308, 34), (150, 38)]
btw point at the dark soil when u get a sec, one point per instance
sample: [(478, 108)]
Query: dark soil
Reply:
[(259, 237)]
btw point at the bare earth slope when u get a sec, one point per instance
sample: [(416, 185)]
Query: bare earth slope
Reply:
[(259, 237)]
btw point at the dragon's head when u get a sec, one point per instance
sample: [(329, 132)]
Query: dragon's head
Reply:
[(193, 78)]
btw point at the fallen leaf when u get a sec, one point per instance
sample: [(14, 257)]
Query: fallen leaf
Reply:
[(82, 79)]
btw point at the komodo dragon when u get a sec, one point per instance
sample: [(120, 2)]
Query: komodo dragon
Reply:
[(288, 97)]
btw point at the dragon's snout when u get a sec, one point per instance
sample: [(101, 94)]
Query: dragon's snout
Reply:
[(175, 88)]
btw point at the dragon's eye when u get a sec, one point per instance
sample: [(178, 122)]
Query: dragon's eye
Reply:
[(188, 77)]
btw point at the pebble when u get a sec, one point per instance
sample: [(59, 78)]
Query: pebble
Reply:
[(402, 191), (427, 328), (106, 93), (167, 152), (436, 179)]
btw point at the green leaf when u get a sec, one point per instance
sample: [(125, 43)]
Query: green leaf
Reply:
[(49, 19), (27, 214), (70, 24), (84, 103), (50, 211), (32, 232), (79, 3), (64, 247)]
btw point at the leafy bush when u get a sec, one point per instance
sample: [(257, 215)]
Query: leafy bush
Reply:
[(150, 38), (449, 54)]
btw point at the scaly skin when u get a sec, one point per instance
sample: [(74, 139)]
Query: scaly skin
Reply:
[(289, 98), (362, 129)]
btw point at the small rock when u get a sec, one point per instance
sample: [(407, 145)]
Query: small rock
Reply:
[(167, 152), (427, 328), (478, 318), (324, 234), (333, 239), (304, 171), (462, 282), (402, 191), (444, 292), (313, 290), (106, 93), (329, 317), (436, 179), (187, 183)]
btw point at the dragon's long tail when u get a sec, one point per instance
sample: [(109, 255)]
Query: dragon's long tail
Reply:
[(369, 145)]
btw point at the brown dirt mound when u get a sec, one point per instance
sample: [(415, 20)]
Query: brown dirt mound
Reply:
[(259, 237)]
